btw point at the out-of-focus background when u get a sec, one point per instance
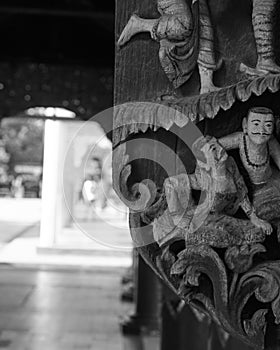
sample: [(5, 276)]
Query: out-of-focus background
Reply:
[(64, 240)]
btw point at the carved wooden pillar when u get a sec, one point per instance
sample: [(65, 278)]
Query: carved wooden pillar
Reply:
[(272, 341), (147, 301), (181, 328), (197, 154), (130, 85)]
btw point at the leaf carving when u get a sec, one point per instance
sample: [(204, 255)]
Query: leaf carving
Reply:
[(256, 324), (240, 258), (202, 259)]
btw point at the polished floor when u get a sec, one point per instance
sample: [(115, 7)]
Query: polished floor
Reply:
[(65, 299), (52, 309)]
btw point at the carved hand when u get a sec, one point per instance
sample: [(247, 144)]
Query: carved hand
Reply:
[(262, 224)]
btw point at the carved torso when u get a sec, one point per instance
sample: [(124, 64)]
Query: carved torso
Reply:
[(258, 168)]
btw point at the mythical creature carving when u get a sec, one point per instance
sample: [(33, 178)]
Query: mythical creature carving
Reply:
[(211, 220), (222, 264), (234, 285)]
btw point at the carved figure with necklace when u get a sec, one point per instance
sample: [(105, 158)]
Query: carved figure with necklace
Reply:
[(260, 155)]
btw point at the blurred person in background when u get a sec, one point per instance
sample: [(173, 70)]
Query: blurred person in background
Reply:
[(17, 187), (91, 186)]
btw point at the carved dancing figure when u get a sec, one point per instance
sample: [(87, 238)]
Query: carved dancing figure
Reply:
[(186, 38), (211, 221), (257, 147), (262, 20)]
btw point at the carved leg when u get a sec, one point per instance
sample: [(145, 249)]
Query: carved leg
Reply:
[(134, 26), (206, 80), (206, 60), (262, 20), (263, 12)]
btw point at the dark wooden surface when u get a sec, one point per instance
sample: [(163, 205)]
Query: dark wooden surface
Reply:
[(138, 75)]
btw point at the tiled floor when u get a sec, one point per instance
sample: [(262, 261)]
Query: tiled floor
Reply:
[(102, 241), (72, 304), (42, 309), (17, 216)]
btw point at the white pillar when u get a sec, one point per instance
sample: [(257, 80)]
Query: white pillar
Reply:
[(50, 188), (61, 173), (68, 174), (57, 187)]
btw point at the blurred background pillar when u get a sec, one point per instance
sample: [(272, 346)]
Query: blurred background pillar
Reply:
[(55, 213)]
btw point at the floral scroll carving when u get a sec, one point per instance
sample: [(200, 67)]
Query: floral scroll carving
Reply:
[(227, 297)]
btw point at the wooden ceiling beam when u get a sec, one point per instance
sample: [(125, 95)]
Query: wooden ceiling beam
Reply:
[(56, 12)]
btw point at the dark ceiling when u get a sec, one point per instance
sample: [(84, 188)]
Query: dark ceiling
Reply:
[(93, 5), (58, 31)]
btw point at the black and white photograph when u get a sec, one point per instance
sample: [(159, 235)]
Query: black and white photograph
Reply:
[(140, 175)]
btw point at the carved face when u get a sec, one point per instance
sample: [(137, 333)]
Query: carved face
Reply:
[(259, 127), (215, 154)]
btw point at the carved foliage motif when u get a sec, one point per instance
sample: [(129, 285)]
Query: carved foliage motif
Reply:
[(236, 285), (225, 289)]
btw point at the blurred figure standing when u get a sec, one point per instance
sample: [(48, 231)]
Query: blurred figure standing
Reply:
[(17, 187), (91, 186)]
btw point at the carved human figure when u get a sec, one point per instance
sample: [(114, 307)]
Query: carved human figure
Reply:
[(257, 147), (262, 20), (211, 221), (186, 38)]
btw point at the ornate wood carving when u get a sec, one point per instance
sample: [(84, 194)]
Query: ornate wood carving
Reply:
[(208, 220)]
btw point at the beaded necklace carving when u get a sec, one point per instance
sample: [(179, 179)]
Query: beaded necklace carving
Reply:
[(254, 165)]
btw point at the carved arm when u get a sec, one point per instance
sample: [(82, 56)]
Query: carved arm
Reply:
[(231, 141), (255, 220), (274, 148)]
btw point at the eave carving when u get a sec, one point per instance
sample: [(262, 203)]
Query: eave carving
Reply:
[(211, 233)]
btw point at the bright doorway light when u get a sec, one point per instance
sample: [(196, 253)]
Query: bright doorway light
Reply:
[(50, 112)]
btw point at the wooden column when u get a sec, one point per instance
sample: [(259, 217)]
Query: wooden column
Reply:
[(181, 330), (144, 324), (272, 337), (138, 77), (185, 330)]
